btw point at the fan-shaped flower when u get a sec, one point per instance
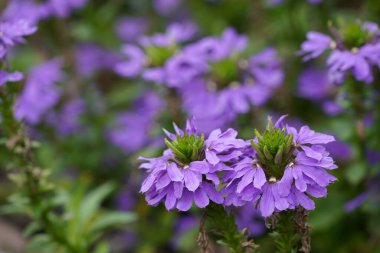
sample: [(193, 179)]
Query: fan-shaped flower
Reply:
[(187, 171), (283, 168)]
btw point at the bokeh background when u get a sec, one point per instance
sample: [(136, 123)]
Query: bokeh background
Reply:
[(92, 118)]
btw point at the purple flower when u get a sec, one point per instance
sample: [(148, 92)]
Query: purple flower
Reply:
[(232, 83), (166, 7), (150, 58), (213, 49), (182, 69), (63, 8), (12, 33), (248, 217), (28, 10), (348, 54), (134, 64), (6, 77), (132, 129), (184, 173), (40, 92), (315, 45), (131, 28), (282, 170), (314, 84), (67, 120), (91, 58), (317, 86), (342, 61)]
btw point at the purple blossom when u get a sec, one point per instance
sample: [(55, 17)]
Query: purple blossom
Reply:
[(134, 64), (148, 60), (129, 29), (182, 69), (358, 59), (317, 86), (28, 10), (67, 120), (315, 45), (304, 174), (248, 217), (6, 77), (175, 33), (12, 33), (213, 49), (91, 58), (132, 129), (179, 184), (40, 92), (166, 7), (63, 8), (249, 82)]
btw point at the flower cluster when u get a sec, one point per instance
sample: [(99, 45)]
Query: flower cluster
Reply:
[(188, 170), (280, 169), (212, 72), (355, 49), (148, 57)]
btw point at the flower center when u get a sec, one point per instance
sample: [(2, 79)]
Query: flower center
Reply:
[(225, 72), (159, 55), (274, 150), (187, 148), (354, 36)]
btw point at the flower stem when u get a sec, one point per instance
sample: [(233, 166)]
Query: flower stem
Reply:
[(291, 231), (224, 227)]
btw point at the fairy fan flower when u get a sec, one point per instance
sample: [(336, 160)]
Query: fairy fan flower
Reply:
[(355, 49), (216, 69), (12, 33), (9, 77), (284, 168), (40, 92), (187, 170), (316, 85), (148, 57)]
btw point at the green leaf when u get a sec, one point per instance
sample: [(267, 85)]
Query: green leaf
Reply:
[(112, 219), (356, 172), (31, 229), (102, 248), (92, 202)]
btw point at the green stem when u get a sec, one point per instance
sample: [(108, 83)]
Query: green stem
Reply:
[(291, 231), (41, 209), (224, 226)]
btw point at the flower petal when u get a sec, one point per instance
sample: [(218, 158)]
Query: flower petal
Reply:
[(192, 180), (266, 202), (185, 202), (200, 198), (174, 172)]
